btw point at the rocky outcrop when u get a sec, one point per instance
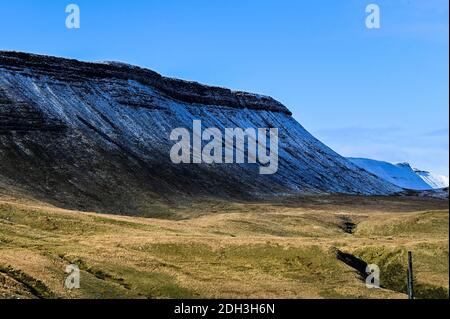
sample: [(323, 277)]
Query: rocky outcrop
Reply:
[(184, 91), (20, 117), (95, 136)]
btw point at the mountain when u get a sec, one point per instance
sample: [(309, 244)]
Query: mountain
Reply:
[(436, 181), (96, 136), (402, 174)]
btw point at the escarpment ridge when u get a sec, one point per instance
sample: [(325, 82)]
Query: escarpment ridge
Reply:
[(184, 91), (96, 136)]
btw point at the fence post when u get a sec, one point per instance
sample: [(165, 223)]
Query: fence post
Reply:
[(410, 277)]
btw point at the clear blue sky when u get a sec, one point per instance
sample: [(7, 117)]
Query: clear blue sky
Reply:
[(379, 93)]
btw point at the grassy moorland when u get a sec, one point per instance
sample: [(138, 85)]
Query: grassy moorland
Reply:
[(215, 249)]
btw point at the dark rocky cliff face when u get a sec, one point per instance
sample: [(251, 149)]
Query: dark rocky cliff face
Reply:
[(96, 137), (73, 71)]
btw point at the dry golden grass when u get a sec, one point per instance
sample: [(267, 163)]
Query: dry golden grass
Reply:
[(216, 249)]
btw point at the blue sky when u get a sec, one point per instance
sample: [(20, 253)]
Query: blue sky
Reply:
[(378, 93)]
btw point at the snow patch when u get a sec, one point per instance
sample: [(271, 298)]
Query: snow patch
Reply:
[(402, 174)]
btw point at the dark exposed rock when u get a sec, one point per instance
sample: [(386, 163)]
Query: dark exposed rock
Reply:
[(20, 117), (184, 91)]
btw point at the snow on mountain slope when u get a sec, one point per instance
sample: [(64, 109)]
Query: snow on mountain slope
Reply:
[(96, 136), (434, 180), (400, 174)]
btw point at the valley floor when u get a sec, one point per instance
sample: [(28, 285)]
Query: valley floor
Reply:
[(215, 249)]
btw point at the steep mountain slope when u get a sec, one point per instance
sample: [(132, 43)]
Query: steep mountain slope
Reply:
[(436, 181), (96, 136), (400, 174)]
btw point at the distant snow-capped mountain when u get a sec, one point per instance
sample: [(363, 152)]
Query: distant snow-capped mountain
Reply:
[(434, 180), (402, 174)]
